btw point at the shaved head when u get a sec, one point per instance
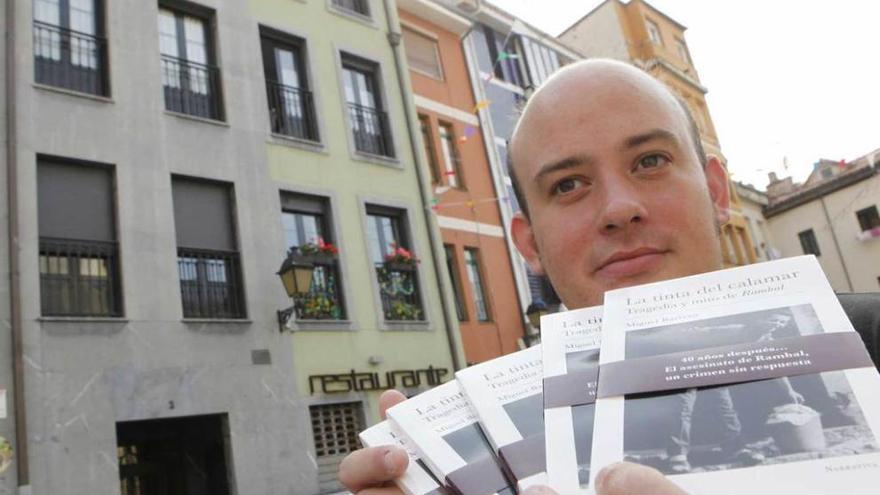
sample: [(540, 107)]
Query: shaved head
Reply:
[(578, 77)]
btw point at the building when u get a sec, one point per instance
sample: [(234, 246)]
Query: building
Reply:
[(165, 158), (637, 33), (833, 215), (507, 60), (466, 205), (752, 203)]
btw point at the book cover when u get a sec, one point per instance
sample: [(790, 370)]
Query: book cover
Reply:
[(570, 342), (417, 480), (750, 379), (506, 395), (442, 427)]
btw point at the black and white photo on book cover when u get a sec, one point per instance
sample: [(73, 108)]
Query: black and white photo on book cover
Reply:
[(506, 393), (442, 427), (796, 427), (570, 342)]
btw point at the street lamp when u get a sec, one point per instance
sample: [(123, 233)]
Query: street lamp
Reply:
[(296, 275), (534, 313)]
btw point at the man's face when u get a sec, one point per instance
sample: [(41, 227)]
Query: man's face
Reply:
[(777, 322), (616, 193)]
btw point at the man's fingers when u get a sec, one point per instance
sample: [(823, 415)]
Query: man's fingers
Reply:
[(389, 490), (625, 478), (372, 467), (389, 398), (539, 490)]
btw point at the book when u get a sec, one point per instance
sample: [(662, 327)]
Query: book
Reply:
[(506, 395), (417, 480), (570, 343), (745, 380), (443, 429)]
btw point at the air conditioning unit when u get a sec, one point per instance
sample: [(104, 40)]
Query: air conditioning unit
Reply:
[(469, 6)]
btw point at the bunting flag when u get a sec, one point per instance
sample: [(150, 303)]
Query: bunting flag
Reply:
[(481, 105), (491, 76), (502, 55), (449, 173), (469, 131), (463, 139), (842, 163), (469, 204)]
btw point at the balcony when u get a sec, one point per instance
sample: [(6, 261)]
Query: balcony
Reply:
[(323, 300), (292, 111), (398, 289), (371, 132), (79, 278), (70, 59), (191, 88), (210, 284)]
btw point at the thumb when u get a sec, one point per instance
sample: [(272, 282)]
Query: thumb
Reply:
[(625, 478), (538, 490)]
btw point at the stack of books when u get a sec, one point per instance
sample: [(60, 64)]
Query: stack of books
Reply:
[(750, 379)]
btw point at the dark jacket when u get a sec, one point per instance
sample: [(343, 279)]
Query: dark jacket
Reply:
[(863, 311)]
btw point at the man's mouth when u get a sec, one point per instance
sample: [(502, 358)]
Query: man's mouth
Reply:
[(623, 264)]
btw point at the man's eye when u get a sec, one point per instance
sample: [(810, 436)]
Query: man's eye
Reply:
[(566, 186), (652, 161)]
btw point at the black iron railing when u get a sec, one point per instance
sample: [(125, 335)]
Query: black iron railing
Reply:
[(70, 59), (79, 278), (399, 290), (361, 7), (371, 131), (210, 283), (323, 301), (291, 111), (191, 88)]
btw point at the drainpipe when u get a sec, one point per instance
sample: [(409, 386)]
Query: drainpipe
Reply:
[(394, 36), (18, 402), (836, 244)]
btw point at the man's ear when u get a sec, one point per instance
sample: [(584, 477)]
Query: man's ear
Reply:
[(524, 239), (719, 188)]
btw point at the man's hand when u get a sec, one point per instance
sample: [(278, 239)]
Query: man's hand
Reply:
[(625, 478), (370, 471)]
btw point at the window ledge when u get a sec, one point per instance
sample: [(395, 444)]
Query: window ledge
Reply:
[(293, 142), (321, 325), (223, 321), (70, 92), (83, 319), (186, 116), (405, 325), (366, 20), (386, 161)]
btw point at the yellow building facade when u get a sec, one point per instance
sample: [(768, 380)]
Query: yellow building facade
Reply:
[(638, 33)]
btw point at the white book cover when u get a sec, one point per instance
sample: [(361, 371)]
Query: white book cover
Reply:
[(795, 431), (506, 394), (443, 428), (417, 480), (570, 342)]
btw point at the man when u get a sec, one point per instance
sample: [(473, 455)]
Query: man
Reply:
[(615, 191)]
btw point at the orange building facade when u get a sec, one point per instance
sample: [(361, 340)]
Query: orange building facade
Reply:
[(465, 201)]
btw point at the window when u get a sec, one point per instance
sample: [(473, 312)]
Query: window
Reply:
[(291, 106), (369, 122), (79, 262), (683, 51), (428, 141), (653, 32), (507, 57), (451, 160), (472, 263), (335, 428), (306, 222), (190, 78), (70, 50), (360, 7), (395, 264), (190, 454), (542, 61), (452, 267), (808, 242), (422, 53), (868, 218), (207, 254)]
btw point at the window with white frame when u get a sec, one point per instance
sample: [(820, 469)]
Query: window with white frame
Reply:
[(653, 32)]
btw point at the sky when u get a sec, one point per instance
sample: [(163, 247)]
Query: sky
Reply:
[(789, 81)]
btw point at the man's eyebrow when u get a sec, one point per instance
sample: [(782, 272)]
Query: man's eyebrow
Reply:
[(564, 164), (653, 134)]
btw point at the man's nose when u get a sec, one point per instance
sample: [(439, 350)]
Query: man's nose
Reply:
[(623, 208)]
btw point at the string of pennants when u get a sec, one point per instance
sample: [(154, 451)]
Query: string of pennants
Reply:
[(471, 203)]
